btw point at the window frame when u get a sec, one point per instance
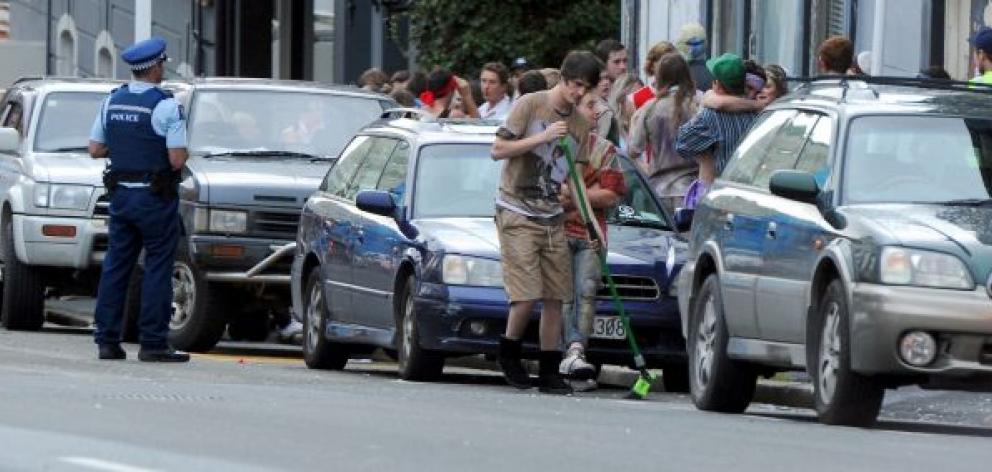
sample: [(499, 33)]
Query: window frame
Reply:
[(365, 160), (831, 148), (344, 153), (736, 156), (406, 167), (803, 141)]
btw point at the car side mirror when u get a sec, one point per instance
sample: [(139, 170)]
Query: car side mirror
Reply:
[(795, 185), (376, 201), (10, 140), (683, 219)]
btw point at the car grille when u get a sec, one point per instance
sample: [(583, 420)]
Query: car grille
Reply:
[(631, 287), (102, 207), (279, 224)]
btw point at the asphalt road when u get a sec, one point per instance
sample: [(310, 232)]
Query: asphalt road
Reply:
[(262, 409)]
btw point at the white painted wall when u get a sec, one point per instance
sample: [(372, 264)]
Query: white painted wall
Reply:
[(21, 59), (661, 20)]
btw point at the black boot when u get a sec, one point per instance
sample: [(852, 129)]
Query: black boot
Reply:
[(165, 354), (112, 352), (550, 381), (509, 361)]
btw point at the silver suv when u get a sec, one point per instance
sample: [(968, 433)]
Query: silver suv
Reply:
[(53, 215)]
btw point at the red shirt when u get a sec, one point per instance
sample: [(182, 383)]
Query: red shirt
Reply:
[(602, 169)]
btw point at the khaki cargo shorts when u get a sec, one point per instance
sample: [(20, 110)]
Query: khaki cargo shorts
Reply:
[(537, 264)]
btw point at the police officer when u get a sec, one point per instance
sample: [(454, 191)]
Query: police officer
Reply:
[(142, 132)]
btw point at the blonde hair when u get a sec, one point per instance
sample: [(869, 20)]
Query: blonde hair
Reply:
[(690, 32)]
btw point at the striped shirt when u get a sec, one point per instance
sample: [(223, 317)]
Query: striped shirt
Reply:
[(716, 131)]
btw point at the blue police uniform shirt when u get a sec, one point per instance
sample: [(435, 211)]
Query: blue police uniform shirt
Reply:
[(167, 119)]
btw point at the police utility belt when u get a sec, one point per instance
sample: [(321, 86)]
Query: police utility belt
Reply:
[(163, 183)]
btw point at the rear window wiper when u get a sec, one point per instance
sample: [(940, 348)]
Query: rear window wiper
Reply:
[(972, 202)]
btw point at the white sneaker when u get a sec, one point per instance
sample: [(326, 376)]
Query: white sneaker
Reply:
[(293, 330), (586, 385), (574, 365)]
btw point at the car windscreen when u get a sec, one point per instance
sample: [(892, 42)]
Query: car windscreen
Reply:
[(256, 121), (66, 120), (461, 180), (456, 181), (637, 207), (902, 159)]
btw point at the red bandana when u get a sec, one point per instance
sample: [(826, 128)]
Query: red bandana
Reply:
[(429, 97)]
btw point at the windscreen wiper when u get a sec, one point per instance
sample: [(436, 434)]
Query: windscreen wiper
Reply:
[(69, 149), (970, 202), (637, 223), (262, 153)]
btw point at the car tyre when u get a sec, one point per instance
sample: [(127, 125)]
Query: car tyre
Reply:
[(318, 351), (22, 306), (717, 383), (199, 309), (415, 362), (675, 377), (841, 396)]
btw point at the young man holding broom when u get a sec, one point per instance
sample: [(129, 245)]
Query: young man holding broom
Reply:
[(604, 185), (530, 219)]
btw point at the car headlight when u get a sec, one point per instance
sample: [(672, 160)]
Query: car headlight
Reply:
[(901, 266), (228, 221), (62, 197), (464, 270)]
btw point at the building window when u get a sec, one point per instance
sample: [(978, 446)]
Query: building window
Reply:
[(778, 27), (106, 60), (66, 51)]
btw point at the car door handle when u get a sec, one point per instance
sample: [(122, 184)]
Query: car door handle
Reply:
[(728, 222), (772, 231)]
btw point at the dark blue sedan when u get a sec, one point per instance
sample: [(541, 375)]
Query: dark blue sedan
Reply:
[(398, 250)]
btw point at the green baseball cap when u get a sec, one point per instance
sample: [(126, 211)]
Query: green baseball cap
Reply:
[(728, 69)]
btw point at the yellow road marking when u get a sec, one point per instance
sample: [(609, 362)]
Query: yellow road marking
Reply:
[(249, 359)]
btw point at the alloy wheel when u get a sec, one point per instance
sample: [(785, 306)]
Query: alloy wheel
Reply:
[(407, 328), (183, 296), (314, 309), (829, 360), (704, 346)]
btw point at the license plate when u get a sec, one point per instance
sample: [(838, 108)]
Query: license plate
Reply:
[(608, 327)]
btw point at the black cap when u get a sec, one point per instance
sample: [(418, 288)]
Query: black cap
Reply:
[(520, 63)]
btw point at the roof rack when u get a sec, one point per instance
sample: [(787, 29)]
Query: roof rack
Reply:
[(933, 84), (411, 113)]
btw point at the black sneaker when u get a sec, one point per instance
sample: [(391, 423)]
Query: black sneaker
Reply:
[(162, 355), (112, 352), (509, 361)]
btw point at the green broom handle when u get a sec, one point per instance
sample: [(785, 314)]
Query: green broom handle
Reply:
[(580, 190)]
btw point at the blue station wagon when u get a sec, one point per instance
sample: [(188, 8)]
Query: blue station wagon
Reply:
[(398, 250)]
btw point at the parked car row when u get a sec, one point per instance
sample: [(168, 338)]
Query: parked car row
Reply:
[(850, 236), (258, 148)]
